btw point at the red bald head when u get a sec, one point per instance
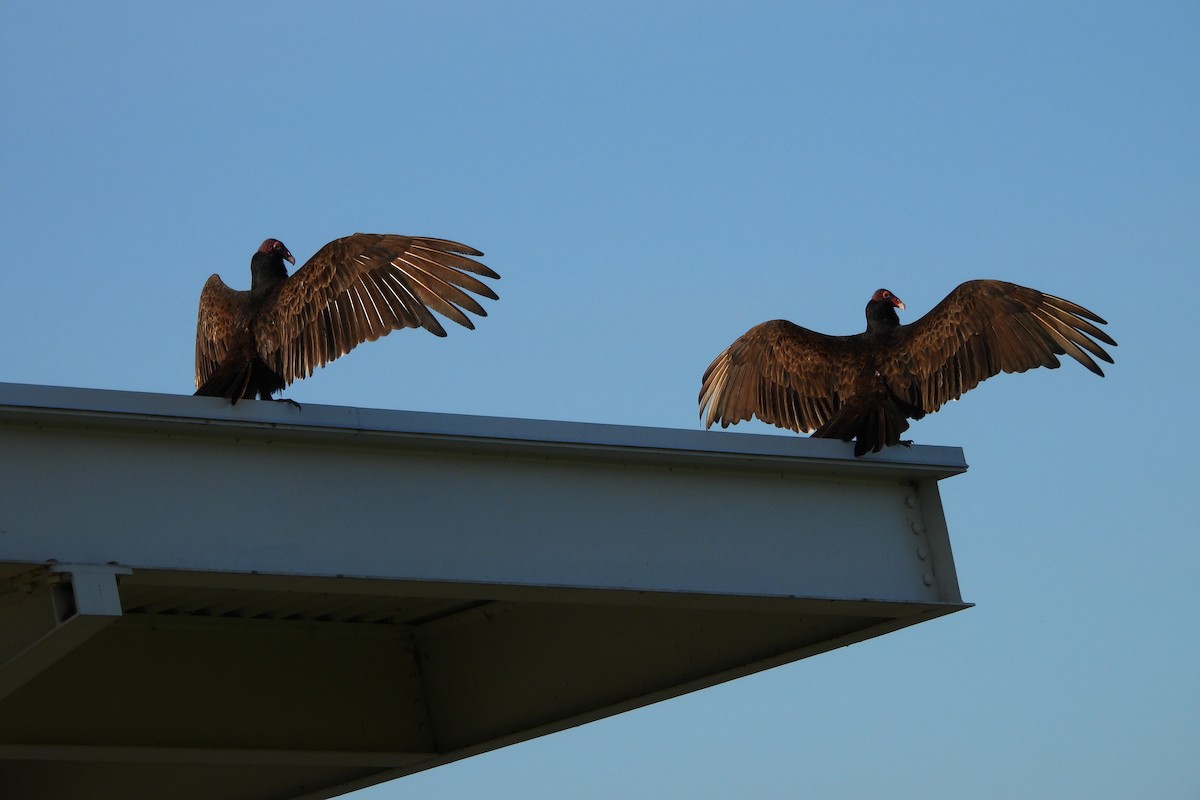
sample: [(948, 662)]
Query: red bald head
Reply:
[(881, 296), (276, 248)]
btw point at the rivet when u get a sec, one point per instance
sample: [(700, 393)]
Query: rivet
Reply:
[(923, 553), (928, 578), (910, 500), (918, 527)]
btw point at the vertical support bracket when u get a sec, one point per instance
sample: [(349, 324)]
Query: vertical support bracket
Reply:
[(932, 526), (50, 613), (94, 587)]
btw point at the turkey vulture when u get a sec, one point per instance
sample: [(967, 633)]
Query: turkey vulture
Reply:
[(355, 289), (867, 386)]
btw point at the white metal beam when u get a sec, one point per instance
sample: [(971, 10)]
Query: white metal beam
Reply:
[(312, 600)]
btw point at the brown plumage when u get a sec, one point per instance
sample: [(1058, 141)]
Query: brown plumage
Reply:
[(355, 289), (867, 386)]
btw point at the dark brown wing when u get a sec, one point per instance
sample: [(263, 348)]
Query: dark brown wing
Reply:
[(781, 373), (220, 326), (358, 288), (986, 327)]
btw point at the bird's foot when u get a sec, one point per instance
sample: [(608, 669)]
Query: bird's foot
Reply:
[(286, 400), (906, 442)]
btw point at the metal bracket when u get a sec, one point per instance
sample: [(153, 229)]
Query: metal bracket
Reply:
[(94, 586), (50, 612)]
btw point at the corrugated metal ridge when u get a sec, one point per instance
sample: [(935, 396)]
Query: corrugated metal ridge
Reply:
[(229, 603)]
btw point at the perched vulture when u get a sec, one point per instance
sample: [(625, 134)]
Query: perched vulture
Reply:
[(355, 289), (867, 386)]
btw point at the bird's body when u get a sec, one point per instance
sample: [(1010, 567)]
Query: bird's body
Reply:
[(867, 386), (354, 289)]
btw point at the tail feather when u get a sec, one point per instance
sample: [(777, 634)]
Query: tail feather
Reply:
[(873, 423), (243, 381)]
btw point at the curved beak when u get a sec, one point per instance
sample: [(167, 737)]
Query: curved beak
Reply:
[(897, 302), (287, 254)]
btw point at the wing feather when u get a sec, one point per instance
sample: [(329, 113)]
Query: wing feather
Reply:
[(419, 315), (361, 287), (452, 254), (1066, 338), (986, 327), (383, 316), (783, 374), (222, 311), (437, 296)]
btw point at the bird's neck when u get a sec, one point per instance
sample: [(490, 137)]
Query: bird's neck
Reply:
[(266, 270), (881, 318)]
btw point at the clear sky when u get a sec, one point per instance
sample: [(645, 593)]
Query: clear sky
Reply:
[(651, 180)]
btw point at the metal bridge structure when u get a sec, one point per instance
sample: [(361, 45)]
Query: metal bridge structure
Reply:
[(262, 602)]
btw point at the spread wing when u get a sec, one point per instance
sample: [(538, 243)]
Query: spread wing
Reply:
[(986, 327), (782, 373), (361, 287), (222, 312)]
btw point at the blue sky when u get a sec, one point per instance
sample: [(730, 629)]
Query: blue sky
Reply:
[(652, 180)]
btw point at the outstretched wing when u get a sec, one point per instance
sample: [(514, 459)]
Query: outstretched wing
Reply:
[(222, 311), (986, 327), (782, 373), (361, 287)]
